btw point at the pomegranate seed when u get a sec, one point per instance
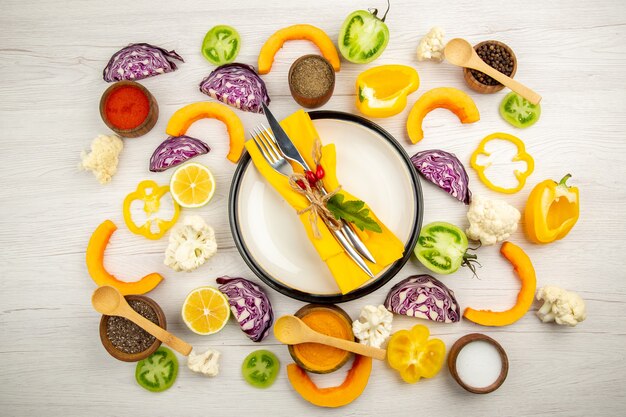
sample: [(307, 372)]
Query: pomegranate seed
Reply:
[(319, 172), (310, 177)]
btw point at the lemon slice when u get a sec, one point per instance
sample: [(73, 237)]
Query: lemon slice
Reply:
[(192, 185), (206, 310)]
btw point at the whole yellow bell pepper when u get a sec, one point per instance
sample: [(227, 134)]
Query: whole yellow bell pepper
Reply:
[(551, 211), (150, 193), (521, 155), (411, 353), (382, 91)]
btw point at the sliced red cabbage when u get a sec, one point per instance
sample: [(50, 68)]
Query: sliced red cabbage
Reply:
[(138, 61), (250, 306), (175, 150), (444, 170), (237, 85), (424, 297)]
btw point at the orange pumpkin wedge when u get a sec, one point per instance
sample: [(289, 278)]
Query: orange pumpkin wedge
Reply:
[(449, 98), (95, 264), (186, 116), (351, 388), (526, 273), (297, 32)]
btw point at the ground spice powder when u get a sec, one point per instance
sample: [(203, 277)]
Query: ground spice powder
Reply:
[(126, 107), (311, 78), (125, 335)]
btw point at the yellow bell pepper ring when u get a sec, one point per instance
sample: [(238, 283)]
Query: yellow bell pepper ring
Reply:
[(414, 355), (521, 155), (551, 211), (150, 193), (382, 91)]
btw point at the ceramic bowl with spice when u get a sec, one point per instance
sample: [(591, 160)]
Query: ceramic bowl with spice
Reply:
[(126, 341), (311, 81), (498, 56), (129, 109)]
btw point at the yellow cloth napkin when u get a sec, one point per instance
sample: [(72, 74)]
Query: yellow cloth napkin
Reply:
[(385, 247)]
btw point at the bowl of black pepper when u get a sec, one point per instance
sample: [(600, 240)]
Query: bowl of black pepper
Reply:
[(126, 341), (311, 81), (498, 56)]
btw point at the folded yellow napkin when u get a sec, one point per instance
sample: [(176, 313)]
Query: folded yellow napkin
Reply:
[(385, 247)]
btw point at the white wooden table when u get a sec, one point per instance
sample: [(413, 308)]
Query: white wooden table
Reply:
[(51, 58)]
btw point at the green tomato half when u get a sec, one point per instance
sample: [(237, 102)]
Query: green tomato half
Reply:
[(158, 371), (363, 37), (441, 247), (518, 111), (260, 368), (221, 45)]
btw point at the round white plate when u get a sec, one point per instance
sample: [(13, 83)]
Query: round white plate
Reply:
[(269, 235)]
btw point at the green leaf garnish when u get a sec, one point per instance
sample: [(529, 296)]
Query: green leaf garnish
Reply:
[(353, 212)]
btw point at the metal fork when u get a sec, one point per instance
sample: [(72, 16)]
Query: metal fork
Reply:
[(269, 149)]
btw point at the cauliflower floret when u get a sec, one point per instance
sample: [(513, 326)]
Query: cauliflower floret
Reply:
[(191, 244), (491, 221), (431, 46), (562, 306), (373, 326), (206, 363), (103, 158)]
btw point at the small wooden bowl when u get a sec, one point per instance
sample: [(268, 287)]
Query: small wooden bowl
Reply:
[(311, 102), (479, 87), (132, 357), (459, 345), (148, 123)]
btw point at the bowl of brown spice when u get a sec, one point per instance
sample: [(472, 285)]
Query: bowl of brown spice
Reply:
[(311, 81), (126, 341), (498, 56)]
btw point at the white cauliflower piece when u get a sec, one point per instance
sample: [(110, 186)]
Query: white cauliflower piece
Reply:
[(206, 363), (431, 46), (491, 221), (373, 326), (190, 245), (103, 158), (564, 307)]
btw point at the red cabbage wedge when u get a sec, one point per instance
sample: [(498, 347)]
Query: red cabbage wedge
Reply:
[(175, 150), (444, 170), (237, 85), (424, 297), (138, 61), (250, 306)]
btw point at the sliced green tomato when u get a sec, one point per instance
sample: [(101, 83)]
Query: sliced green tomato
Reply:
[(441, 247), (363, 37), (518, 111), (221, 45), (260, 368), (158, 371)]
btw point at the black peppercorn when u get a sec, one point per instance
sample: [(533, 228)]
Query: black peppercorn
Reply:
[(496, 57)]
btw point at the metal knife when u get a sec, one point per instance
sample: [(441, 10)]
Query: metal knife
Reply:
[(291, 152)]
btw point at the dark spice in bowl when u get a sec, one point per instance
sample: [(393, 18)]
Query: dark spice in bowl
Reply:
[(497, 57), (311, 78), (125, 335)]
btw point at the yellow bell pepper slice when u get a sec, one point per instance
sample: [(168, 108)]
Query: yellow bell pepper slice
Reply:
[(382, 91), (521, 155), (551, 211), (150, 193), (411, 353)]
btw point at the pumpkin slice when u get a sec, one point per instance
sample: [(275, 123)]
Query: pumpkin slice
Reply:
[(95, 264), (449, 98), (186, 116), (351, 388), (297, 32), (329, 320)]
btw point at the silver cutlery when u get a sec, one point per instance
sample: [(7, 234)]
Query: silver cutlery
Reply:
[(289, 151), (266, 142)]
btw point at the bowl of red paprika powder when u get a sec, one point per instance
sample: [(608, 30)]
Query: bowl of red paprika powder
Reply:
[(129, 109)]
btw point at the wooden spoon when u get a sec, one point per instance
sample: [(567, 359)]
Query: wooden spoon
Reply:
[(108, 300), (293, 331), (460, 52)]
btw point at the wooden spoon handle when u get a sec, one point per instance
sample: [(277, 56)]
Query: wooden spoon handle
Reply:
[(516, 86), (357, 348), (160, 333)]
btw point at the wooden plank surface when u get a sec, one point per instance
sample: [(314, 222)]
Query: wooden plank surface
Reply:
[(51, 58)]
